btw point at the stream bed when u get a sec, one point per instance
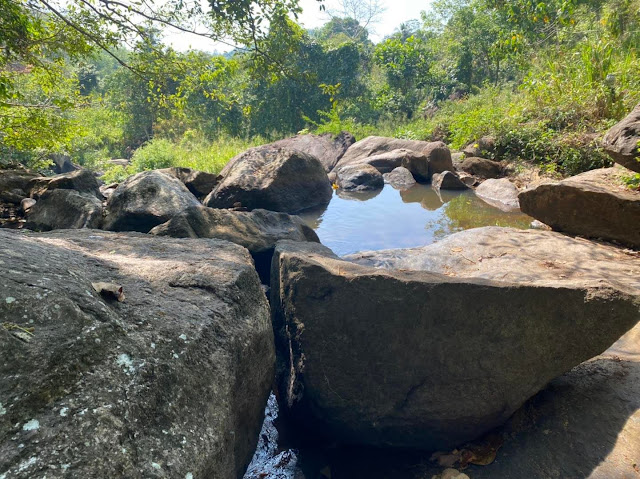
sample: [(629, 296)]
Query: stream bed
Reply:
[(350, 223)]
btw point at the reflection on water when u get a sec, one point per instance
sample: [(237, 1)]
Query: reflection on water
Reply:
[(388, 218)]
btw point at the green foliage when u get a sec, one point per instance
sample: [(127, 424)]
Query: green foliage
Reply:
[(632, 181), (192, 151)]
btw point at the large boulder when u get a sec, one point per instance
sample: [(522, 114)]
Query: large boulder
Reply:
[(421, 158), (622, 142), (257, 230), (500, 193), (146, 200), (168, 379), (387, 161), (482, 167), (431, 359), (376, 145), (400, 178), (327, 148), (83, 181), (273, 179), (200, 183), (595, 204), (64, 209), (15, 185), (359, 177)]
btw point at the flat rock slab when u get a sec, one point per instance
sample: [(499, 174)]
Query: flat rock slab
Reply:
[(594, 204), (170, 382), (531, 257), (422, 359)]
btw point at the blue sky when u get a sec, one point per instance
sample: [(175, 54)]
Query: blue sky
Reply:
[(396, 12)]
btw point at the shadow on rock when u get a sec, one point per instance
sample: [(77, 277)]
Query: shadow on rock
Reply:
[(585, 424)]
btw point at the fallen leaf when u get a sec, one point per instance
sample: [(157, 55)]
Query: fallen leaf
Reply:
[(109, 290)]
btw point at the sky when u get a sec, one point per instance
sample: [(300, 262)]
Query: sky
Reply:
[(396, 12)]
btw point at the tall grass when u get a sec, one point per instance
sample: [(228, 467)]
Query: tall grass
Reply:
[(192, 151)]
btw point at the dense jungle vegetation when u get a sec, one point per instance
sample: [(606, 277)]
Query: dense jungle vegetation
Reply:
[(92, 79)]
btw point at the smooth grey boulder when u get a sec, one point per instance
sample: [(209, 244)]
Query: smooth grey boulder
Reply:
[(388, 161), (200, 183), (359, 177), (482, 167), (257, 230), (146, 200), (400, 178), (274, 179), (594, 204), (170, 382), (447, 180), (327, 148), (622, 142), (82, 181), (64, 209), (432, 359), (500, 193), (376, 145), (15, 185)]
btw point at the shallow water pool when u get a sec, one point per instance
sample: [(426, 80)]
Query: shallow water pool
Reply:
[(389, 218)]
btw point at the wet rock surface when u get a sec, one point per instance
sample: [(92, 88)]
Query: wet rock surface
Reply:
[(273, 179), (595, 204), (169, 382), (64, 209), (440, 389), (146, 200)]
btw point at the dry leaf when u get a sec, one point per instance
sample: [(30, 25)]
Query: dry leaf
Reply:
[(109, 290)]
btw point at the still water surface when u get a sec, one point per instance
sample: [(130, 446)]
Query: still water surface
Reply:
[(390, 218)]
